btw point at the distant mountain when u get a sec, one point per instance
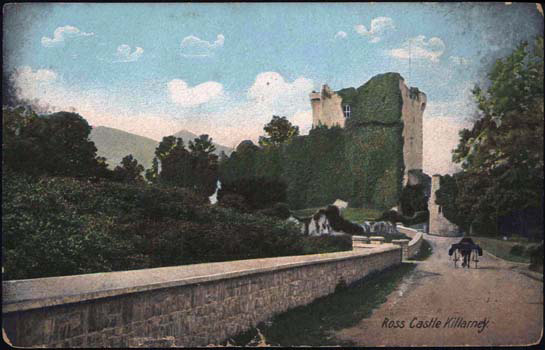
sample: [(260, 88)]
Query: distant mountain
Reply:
[(114, 144)]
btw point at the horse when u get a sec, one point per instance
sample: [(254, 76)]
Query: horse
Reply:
[(468, 249)]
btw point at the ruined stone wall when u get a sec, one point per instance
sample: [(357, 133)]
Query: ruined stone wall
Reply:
[(414, 104), (439, 225), (224, 300), (326, 108)]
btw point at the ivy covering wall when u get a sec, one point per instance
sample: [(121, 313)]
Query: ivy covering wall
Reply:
[(361, 164)]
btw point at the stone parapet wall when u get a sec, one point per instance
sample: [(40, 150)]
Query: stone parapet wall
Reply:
[(416, 240), (196, 304)]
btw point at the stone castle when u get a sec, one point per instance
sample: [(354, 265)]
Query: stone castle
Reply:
[(329, 108)]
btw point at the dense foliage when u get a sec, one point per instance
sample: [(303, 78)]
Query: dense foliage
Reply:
[(129, 170), (195, 168), (257, 192), (59, 226), (379, 100), (363, 166), (413, 199), (502, 154), (279, 130), (55, 144)]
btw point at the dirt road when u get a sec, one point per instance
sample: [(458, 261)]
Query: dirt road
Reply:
[(492, 305)]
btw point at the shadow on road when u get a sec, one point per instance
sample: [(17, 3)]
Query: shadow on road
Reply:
[(424, 274)]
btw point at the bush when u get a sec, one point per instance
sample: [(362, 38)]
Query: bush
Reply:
[(413, 199), (536, 258), (326, 244), (64, 226), (235, 201), (279, 210), (258, 192), (518, 250)]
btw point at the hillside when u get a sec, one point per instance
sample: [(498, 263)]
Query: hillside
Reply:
[(114, 144)]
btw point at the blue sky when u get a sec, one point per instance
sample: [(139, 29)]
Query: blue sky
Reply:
[(224, 69)]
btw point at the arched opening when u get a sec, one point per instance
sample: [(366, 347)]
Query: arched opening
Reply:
[(423, 106)]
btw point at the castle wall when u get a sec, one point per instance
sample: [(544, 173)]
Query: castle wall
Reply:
[(439, 225), (197, 304), (412, 111)]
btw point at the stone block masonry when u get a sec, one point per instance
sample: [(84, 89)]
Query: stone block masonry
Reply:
[(409, 247), (196, 305)]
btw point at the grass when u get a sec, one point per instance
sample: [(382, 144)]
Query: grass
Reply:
[(503, 249), (424, 252), (357, 215), (313, 324)]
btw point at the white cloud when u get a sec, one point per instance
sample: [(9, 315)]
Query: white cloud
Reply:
[(186, 96), (236, 119), (459, 60), (419, 48), (270, 94), (30, 83), (303, 120), (193, 46), (271, 87), (378, 27), (124, 53), (340, 35), (25, 73), (61, 33), (440, 138)]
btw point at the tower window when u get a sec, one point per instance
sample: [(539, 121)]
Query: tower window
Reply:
[(346, 111)]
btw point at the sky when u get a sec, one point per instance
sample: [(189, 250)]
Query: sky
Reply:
[(225, 69)]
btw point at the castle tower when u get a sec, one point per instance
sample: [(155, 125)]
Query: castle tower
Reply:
[(412, 111), (316, 103), (439, 225), (326, 108)]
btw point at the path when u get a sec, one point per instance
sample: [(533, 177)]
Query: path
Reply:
[(511, 302)]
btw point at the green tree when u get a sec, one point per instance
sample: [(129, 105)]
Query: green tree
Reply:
[(129, 171), (196, 168), (279, 130), (55, 144), (152, 174), (502, 154), (202, 144)]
